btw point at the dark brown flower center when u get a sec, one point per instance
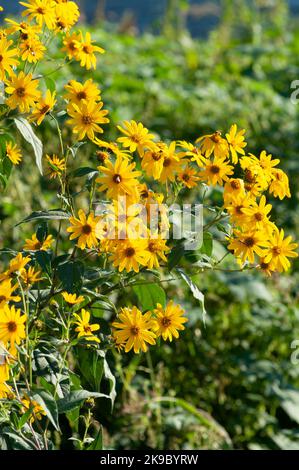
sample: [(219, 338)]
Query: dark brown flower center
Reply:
[(152, 247), (276, 250), (214, 169), (238, 209), (129, 252), (249, 242), (2, 298), (186, 177), (45, 109), (12, 326), (87, 49), (167, 162), (117, 178), (235, 184), (41, 11), (21, 92), (81, 95), (216, 137), (86, 120), (166, 321), (86, 229), (258, 216), (87, 329), (1, 58), (264, 265), (135, 330), (156, 156), (37, 245), (249, 176)]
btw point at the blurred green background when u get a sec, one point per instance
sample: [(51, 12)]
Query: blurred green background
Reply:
[(237, 368)]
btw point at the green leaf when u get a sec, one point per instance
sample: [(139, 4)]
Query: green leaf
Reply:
[(79, 172), (149, 295), (197, 294), (71, 275), (42, 232), (50, 84), (97, 444), (175, 255), (49, 406), (53, 214), (207, 244), (3, 110), (27, 132), (76, 398), (44, 260)]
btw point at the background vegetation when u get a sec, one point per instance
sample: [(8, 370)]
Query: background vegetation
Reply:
[(229, 383)]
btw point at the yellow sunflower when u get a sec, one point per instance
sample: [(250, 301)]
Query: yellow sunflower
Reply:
[(6, 290), (120, 179), (32, 50), (71, 45), (42, 11), (87, 229), (130, 255), (133, 330), (72, 299), (84, 328), (137, 137), (236, 141), (8, 58), (86, 52), (278, 250), (57, 165), (216, 171), (23, 91), (86, 117), (77, 92), (33, 244), (13, 153), (43, 107), (169, 321), (12, 328)]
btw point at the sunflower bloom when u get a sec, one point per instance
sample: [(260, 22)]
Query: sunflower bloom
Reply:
[(43, 107), (214, 144), (16, 267), (86, 117), (130, 255), (8, 58), (188, 177), (157, 250), (236, 142), (246, 245), (84, 328), (12, 328), (279, 186), (86, 52), (136, 136), (133, 330), (37, 411), (6, 290), (86, 228), (169, 321), (71, 45), (42, 11), (120, 179), (23, 91), (72, 299), (13, 153), (216, 171), (34, 244), (57, 165), (32, 50), (77, 92), (278, 250), (30, 276)]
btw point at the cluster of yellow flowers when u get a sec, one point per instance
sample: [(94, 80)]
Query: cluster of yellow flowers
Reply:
[(128, 168)]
